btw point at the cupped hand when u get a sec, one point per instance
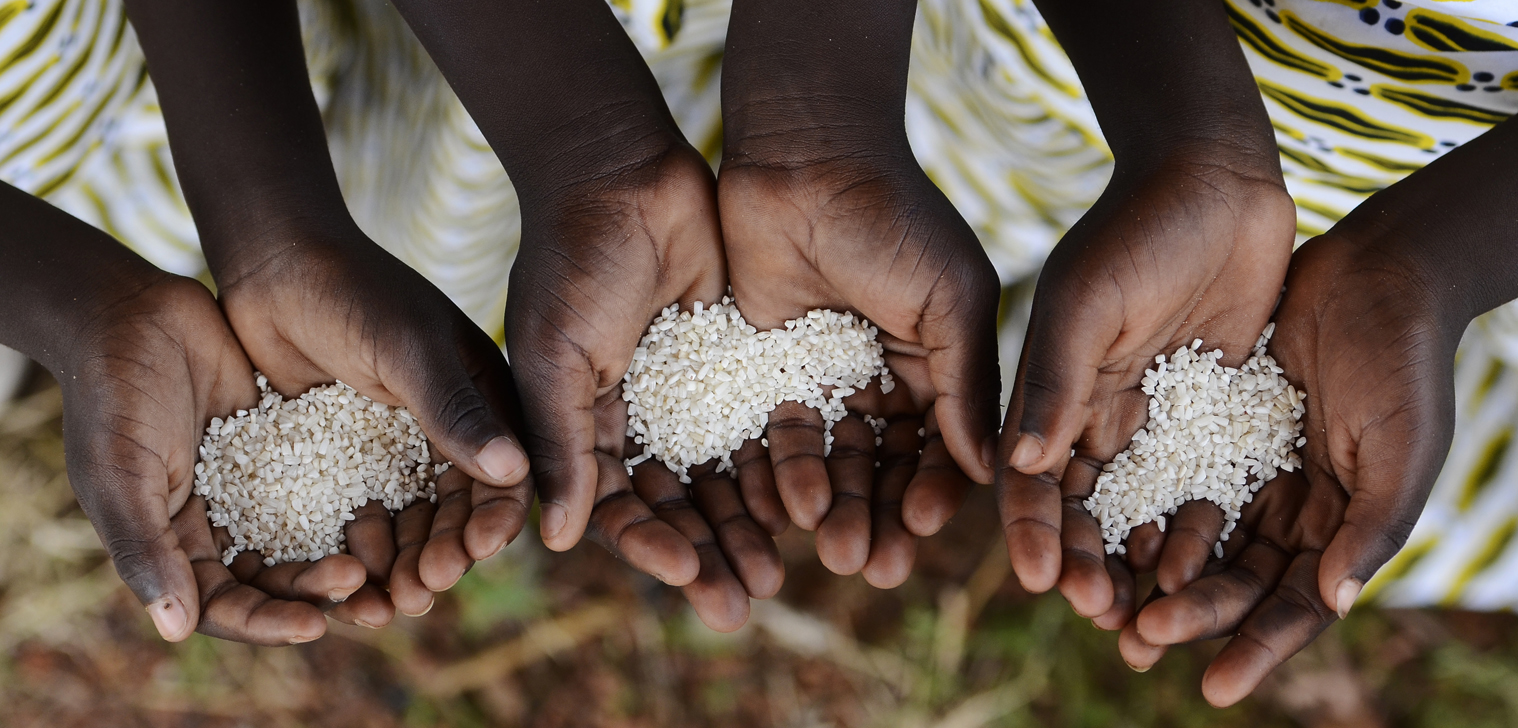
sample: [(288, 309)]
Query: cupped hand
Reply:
[(872, 235), (151, 370), (1171, 252), (327, 304), (1362, 334), (599, 260)]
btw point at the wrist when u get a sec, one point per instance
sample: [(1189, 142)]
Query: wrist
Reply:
[(1246, 149), (58, 276), (602, 146), (656, 175), (69, 331), (269, 238), (1404, 271), (1450, 290)]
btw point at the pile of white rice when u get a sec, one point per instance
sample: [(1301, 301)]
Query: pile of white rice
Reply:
[(285, 478), (702, 382), (1214, 433)]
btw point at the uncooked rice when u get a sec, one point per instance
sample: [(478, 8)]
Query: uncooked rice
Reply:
[(1214, 433), (285, 478), (703, 381)]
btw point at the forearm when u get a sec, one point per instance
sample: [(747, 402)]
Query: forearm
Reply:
[(58, 274), (248, 142), (1164, 77), (1454, 223), (556, 87), (821, 80)]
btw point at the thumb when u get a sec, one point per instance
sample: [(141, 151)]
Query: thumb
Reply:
[(1396, 465), (462, 422), (557, 384), (123, 489), (959, 331), (1067, 338)]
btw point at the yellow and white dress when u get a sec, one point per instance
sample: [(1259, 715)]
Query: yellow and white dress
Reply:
[(1361, 92)]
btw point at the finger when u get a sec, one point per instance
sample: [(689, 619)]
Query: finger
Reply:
[(1396, 465), (893, 547), (959, 331), (1214, 606), (124, 491), (407, 590), (1030, 506), (1190, 539), (749, 549), (1143, 545), (1031, 509), (623, 524), (843, 538), (1067, 338), (939, 487), (558, 387), (1124, 592), (1291, 618), (368, 607), (444, 559), (1083, 578), (714, 592), (1138, 654), (229, 609), (335, 584), (796, 456), (330, 580), (462, 422), (756, 479), (371, 539), (496, 517)]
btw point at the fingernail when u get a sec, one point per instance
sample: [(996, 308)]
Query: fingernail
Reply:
[(300, 640), (1028, 452), (362, 623), (501, 548), (500, 459), (1346, 594), (1136, 668), (430, 603), (988, 453), (170, 617), (339, 595), (554, 520)]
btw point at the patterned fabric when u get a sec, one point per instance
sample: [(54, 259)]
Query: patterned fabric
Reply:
[(1362, 92)]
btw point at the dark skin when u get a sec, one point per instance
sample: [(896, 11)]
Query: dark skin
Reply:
[(145, 360), (619, 220), (313, 300), (1372, 315), (824, 206), (1191, 239)]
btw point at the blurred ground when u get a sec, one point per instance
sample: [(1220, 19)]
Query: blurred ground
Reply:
[(535, 639)]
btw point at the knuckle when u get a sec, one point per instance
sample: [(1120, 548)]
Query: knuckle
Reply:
[(136, 559), (463, 408)]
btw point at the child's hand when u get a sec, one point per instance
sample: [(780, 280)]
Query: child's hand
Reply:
[(824, 206), (1365, 338), (599, 261), (1195, 247), (148, 373), (1190, 240), (145, 360), (328, 304), (875, 237), (1368, 328), (311, 298)]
